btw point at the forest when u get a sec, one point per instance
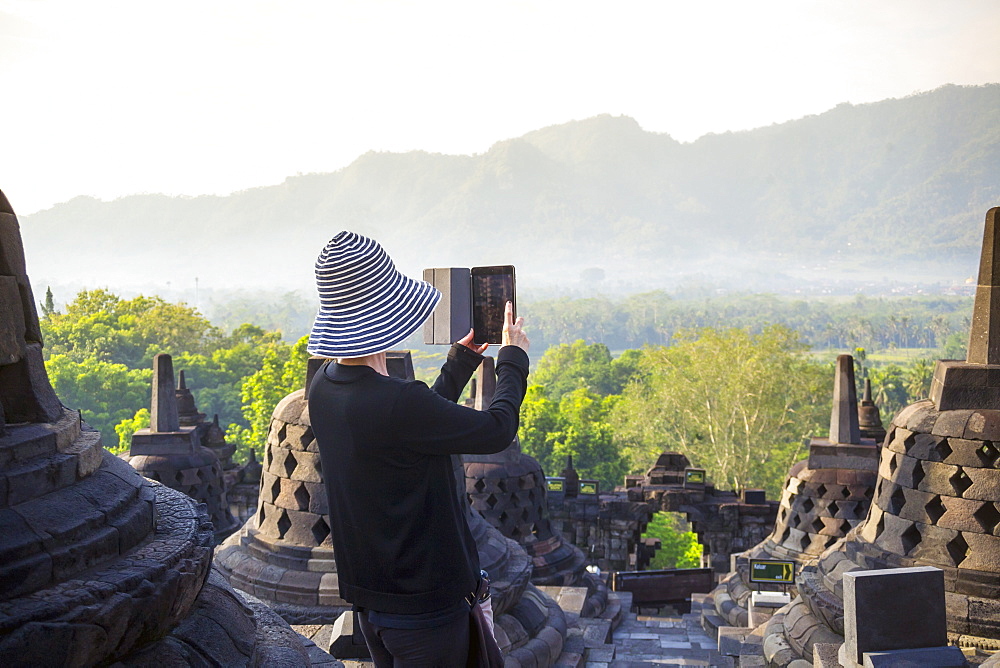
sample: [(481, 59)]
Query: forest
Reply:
[(605, 381)]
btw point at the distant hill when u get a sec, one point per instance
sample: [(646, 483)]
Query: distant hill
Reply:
[(860, 186)]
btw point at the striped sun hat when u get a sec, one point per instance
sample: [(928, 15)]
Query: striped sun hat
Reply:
[(366, 306)]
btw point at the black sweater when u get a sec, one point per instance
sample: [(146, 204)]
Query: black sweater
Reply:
[(400, 537)]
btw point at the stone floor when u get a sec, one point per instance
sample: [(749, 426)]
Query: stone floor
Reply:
[(647, 640), (621, 639)]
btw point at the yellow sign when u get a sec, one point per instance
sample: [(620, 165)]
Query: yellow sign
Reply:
[(555, 485), (772, 570), (588, 487), (694, 476)]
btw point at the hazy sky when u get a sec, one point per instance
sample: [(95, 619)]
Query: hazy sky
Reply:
[(108, 98)]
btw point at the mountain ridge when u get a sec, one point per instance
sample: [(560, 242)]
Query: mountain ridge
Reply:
[(902, 179)]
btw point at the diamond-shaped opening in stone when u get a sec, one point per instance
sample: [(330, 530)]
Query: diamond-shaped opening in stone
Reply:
[(808, 505), (531, 495), (821, 490), (918, 473), (910, 538), (267, 458), (960, 482), (958, 549), (275, 489), (988, 517), (502, 485), (260, 517), (817, 525), (893, 464), (503, 517), (833, 508), (320, 530), (492, 500), (869, 492), (525, 515), (306, 438), (897, 501), (203, 475), (319, 466), (830, 540), (944, 449), (515, 533), (302, 497), (785, 534), (179, 477), (909, 442), (282, 432), (290, 463), (987, 454), (935, 509), (845, 492), (845, 526), (284, 524), (805, 541), (480, 485)]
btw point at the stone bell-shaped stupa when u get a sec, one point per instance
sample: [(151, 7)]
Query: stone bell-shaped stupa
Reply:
[(172, 454), (869, 417), (936, 497), (508, 489), (99, 565), (283, 555), (824, 497)]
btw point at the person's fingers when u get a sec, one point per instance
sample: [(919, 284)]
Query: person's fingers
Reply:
[(467, 339)]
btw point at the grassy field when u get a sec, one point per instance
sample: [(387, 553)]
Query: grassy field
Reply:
[(901, 356)]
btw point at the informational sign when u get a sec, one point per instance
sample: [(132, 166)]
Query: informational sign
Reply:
[(588, 487), (773, 571), (555, 484), (694, 477)]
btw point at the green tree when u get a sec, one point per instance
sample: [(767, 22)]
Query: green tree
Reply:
[(48, 307), (736, 403), (679, 546), (918, 380), (126, 428), (283, 370), (105, 392), (572, 366), (576, 425)]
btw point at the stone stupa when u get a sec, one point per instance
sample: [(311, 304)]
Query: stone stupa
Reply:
[(99, 565), (935, 500), (824, 497), (171, 453)]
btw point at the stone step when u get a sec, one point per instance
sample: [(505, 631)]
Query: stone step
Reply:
[(32, 478), (25, 441)]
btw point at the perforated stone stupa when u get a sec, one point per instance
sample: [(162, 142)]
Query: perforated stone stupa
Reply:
[(283, 555), (172, 454), (935, 501), (824, 497), (98, 564), (508, 490)]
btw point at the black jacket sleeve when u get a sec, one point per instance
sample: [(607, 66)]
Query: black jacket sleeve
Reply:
[(430, 423), (456, 371)]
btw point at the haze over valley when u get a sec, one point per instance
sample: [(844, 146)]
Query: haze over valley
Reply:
[(880, 194)]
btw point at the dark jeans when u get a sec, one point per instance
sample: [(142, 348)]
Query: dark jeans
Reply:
[(444, 646)]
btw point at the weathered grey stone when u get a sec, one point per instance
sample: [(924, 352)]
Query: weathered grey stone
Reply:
[(844, 427), (931, 657), (163, 408), (893, 609)]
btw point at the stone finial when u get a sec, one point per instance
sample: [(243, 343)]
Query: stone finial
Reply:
[(163, 416), (313, 365), (984, 336), (572, 484), (486, 386), (181, 384), (844, 427)]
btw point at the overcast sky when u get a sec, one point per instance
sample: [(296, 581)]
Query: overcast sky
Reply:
[(109, 98)]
